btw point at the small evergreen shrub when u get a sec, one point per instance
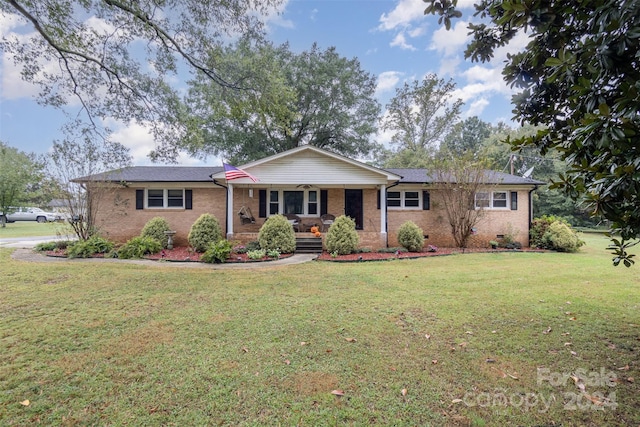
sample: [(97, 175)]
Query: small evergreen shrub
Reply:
[(139, 247), (342, 237), (560, 237), (45, 246), (252, 245), (204, 232), (277, 233), (411, 236), (88, 248), (217, 252), (273, 253), (155, 228), (539, 227)]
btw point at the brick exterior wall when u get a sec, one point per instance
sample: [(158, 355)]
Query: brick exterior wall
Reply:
[(119, 220)]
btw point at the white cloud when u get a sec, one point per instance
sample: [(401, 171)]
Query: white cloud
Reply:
[(400, 41), (405, 12), (450, 42), (476, 108), (387, 81), (449, 66)]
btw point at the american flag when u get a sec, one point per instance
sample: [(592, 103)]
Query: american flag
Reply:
[(232, 172)]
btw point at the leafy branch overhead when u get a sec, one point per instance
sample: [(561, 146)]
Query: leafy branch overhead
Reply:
[(117, 58), (579, 77)]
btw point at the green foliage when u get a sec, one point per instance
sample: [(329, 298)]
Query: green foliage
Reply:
[(314, 97), (560, 237), (45, 246), (256, 254), (578, 76), (155, 228), (411, 236), (217, 252), (342, 237), (204, 232), (253, 245), (392, 249), (539, 227), (138, 247), (87, 248), (18, 174), (277, 233)]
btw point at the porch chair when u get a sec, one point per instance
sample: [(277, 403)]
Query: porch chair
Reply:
[(246, 217), (295, 221), (327, 220)]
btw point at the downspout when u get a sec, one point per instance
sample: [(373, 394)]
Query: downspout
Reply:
[(226, 209), (386, 212), (535, 187)]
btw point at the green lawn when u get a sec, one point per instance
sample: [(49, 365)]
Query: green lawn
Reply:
[(32, 229), (480, 339)]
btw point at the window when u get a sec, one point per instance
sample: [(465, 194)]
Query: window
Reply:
[(165, 198), (298, 202), (403, 199), (493, 200)]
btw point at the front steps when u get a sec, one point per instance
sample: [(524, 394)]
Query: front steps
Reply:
[(308, 245)]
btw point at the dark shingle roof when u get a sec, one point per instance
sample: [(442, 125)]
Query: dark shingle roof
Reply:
[(421, 176), (156, 174)]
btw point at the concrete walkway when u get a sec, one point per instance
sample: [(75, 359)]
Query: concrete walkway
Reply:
[(24, 252)]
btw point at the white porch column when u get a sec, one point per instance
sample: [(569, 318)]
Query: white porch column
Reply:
[(229, 211), (383, 209)]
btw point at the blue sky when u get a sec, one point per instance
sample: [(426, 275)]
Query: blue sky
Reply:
[(392, 39)]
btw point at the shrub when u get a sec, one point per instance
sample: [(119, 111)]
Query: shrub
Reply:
[(342, 237), (87, 248), (45, 246), (257, 254), (277, 233), (273, 253), (560, 237), (204, 232), (253, 245), (155, 228), (217, 252), (411, 236), (539, 227), (139, 247)]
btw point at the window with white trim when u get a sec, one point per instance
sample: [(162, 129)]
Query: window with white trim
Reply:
[(165, 198), (404, 199), (298, 202), (491, 200)]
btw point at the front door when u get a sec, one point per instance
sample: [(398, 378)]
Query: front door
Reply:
[(353, 206)]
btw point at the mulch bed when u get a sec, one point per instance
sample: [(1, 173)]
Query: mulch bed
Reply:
[(185, 254)]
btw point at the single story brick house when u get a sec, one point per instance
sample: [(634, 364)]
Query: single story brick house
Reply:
[(308, 182)]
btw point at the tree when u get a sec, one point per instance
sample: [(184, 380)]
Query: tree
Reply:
[(315, 97), (18, 171), (578, 76), (466, 136), (459, 178), (421, 114), (117, 58), (82, 156)]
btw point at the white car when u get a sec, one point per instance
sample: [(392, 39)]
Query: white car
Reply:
[(31, 214)]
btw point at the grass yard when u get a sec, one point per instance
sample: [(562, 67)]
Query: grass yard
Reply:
[(34, 229), (481, 339)]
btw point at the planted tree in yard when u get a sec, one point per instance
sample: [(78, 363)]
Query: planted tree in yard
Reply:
[(71, 163), (18, 171), (316, 97), (578, 77), (461, 180)]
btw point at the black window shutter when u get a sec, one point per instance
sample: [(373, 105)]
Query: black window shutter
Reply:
[(426, 201), (324, 197), (514, 200), (262, 203), (139, 199), (188, 199), (378, 205)]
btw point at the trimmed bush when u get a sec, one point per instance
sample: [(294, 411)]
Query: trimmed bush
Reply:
[(342, 237), (204, 232), (155, 228), (88, 248), (411, 236), (539, 227), (560, 237), (217, 252), (139, 247), (277, 233)]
